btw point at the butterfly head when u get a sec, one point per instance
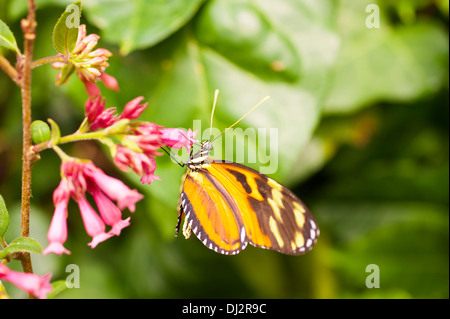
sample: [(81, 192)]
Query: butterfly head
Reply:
[(202, 155)]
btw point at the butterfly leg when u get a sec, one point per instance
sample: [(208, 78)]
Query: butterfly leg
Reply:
[(180, 218)]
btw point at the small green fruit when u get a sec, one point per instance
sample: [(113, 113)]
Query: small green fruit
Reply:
[(40, 132)]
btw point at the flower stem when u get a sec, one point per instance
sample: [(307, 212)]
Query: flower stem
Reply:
[(9, 69), (46, 60), (29, 28), (75, 137), (63, 156)]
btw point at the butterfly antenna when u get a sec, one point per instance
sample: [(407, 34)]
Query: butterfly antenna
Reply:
[(246, 114), (174, 157), (216, 95)]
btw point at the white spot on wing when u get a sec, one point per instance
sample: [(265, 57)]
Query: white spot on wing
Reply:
[(243, 234)]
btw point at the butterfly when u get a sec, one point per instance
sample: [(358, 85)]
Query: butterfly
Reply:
[(228, 205)]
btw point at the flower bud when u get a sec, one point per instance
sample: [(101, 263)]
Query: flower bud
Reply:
[(40, 132)]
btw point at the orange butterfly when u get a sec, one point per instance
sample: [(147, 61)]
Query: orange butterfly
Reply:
[(228, 205)]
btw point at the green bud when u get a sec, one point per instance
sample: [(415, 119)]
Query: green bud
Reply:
[(40, 132)]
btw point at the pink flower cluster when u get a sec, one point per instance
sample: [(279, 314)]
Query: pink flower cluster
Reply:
[(79, 177), (36, 285), (141, 142), (138, 144), (89, 65), (133, 145)]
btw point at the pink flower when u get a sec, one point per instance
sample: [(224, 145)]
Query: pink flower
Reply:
[(95, 227), (37, 285), (96, 114), (109, 81), (142, 164), (91, 88), (99, 117), (133, 109), (105, 119), (112, 187), (110, 213), (57, 233), (94, 107), (148, 144), (78, 177), (178, 138)]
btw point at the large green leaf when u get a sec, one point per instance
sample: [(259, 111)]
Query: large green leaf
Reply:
[(135, 24), (388, 63), (406, 240)]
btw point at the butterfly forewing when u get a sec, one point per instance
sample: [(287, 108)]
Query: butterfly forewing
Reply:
[(228, 205), (210, 213)]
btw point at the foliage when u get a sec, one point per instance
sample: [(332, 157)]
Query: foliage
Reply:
[(362, 118)]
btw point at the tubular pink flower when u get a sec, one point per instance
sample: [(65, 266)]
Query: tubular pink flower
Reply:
[(105, 119), (133, 109), (57, 233), (142, 164), (149, 169), (91, 88), (94, 225), (37, 285), (113, 188), (94, 107), (149, 144), (178, 138), (148, 128), (109, 81), (76, 181), (110, 213), (79, 176)]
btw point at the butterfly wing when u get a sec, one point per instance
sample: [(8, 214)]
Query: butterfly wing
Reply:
[(210, 213), (231, 205)]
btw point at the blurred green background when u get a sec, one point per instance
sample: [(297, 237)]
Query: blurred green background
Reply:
[(362, 118)]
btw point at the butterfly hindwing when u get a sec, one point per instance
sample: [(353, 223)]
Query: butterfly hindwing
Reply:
[(210, 213), (228, 205)]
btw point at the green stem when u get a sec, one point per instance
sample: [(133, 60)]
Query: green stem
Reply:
[(61, 153), (47, 60), (9, 70), (70, 138), (82, 137)]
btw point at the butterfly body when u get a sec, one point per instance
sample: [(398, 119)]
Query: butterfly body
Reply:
[(228, 205)]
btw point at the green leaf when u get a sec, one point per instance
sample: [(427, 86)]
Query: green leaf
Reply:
[(7, 39), (392, 63), (21, 244), (58, 287), (135, 24), (66, 72), (4, 218), (56, 132), (65, 33)]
